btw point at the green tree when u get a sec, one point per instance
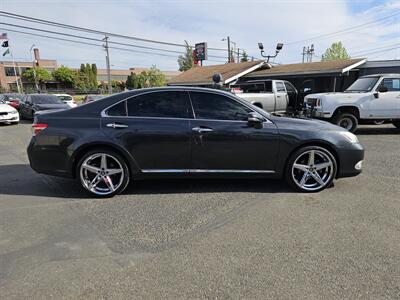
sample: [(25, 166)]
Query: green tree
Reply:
[(94, 75), (335, 52), (155, 77), (142, 80), (65, 75), (186, 61), (42, 75), (244, 57), (132, 81)]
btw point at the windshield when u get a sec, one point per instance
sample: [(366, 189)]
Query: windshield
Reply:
[(363, 84), (45, 99)]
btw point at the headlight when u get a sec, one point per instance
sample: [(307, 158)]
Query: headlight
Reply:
[(349, 136), (14, 112)]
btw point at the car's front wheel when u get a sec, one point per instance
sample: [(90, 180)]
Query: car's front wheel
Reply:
[(347, 121), (311, 169), (103, 173)]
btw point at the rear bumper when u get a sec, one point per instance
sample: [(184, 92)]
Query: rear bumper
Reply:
[(350, 161), (48, 160)]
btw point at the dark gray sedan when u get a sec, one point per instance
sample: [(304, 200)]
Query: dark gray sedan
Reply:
[(33, 103), (187, 132)]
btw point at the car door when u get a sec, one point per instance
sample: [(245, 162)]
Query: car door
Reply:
[(154, 128), (291, 95), (224, 141), (280, 96), (387, 104)]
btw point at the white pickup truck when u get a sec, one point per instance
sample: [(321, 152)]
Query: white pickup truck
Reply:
[(369, 98), (273, 96)]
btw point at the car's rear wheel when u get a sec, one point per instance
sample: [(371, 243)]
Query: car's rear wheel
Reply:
[(347, 121), (311, 169), (396, 124), (103, 173)]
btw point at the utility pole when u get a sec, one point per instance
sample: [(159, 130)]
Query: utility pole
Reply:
[(238, 55), (308, 53), (108, 65), (33, 69), (229, 49)]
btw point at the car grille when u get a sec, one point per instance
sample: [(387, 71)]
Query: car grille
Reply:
[(312, 102), (3, 113)]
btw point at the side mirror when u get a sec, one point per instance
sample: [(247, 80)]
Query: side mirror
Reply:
[(382, 89), (254, 119), (376, 95)]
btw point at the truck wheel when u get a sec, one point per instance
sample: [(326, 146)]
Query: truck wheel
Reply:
[(396, 124), (347, 121)]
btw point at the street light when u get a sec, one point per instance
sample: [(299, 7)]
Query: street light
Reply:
[(34, 65), (279, 47)]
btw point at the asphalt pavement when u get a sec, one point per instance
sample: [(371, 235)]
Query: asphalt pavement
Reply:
[(201, 239)]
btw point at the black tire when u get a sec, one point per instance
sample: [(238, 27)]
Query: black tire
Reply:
[(347, 121), (122, 182), (396, 124), (291, 175)]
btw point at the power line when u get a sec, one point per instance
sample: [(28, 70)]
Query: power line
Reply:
[(93, 44), (97, 40), (345, 30), (93, 31)]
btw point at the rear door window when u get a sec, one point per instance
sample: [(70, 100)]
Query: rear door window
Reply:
[(165, 104)]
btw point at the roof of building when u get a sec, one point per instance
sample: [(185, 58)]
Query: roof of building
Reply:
[(323, 67), (381, 64), (203, 75)]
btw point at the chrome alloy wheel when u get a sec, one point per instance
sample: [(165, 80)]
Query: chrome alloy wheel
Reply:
[(101, 174), (312, 170)]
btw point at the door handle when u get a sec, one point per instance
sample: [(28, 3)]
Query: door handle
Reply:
[(202, 129), (115, 125)]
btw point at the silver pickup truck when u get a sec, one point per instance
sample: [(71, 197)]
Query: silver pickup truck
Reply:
[(274, 96)]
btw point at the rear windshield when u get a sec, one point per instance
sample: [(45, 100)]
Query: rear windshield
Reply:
[(45, 99), (256, 87), (65, 98), (363, 84), (10, 97)]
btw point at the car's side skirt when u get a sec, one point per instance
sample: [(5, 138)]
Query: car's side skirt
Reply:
[(207, 171)]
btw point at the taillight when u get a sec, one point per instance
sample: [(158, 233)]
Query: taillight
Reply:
[(37, 128)]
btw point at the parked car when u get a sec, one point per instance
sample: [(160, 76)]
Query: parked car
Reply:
[(67, 99), (177, 131), (12, 99), (8, 114), (274, 96), (372, 98), (32, 103), (90, 98)]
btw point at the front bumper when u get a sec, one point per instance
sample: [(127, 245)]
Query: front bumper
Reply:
[(350, 161), (9, 118)]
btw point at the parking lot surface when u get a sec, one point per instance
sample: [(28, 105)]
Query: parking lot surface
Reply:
[(201, 239)]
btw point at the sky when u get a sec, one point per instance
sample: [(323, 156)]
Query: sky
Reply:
[(295, 23)]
